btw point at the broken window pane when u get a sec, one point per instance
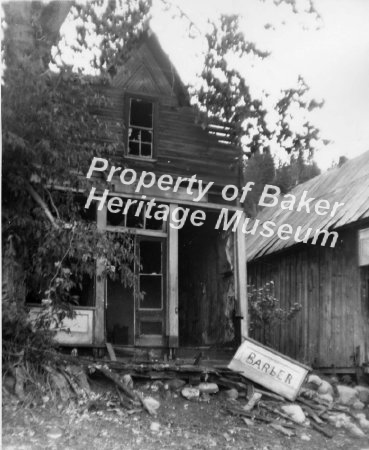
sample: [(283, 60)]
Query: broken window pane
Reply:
[(154, 224), (141, 113), (134, 221), (115, 219), (140, 133)]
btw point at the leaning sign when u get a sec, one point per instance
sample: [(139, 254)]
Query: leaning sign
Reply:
[(269, 368)]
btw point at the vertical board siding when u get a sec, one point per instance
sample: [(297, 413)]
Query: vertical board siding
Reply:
[(333, 292)]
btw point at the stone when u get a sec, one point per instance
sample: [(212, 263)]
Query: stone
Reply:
[(190, 393), (157, 386), (151, 404), (339, 420), (363, 421), (363, 392), (208, 388), (321, 386), (232, 394), (155, 426), (327, 397), (358, 405), (295, 412), (347, 395), (354, 430), (54, 433), (174, 385), (127, 380)]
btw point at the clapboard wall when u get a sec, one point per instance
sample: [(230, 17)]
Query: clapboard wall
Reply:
[(333, 292), (184, 147)]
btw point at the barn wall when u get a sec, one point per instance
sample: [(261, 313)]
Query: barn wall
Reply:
[(333, 293)]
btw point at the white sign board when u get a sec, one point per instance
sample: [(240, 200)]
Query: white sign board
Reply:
[(269, 368)]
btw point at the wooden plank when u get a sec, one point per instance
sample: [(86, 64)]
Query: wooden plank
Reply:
[(173, 333), (241, 279), (269, 368), (99, 319), (111, 352)]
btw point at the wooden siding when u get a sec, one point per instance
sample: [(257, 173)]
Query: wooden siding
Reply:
[(348, 184), (183, 147), (333, 292)]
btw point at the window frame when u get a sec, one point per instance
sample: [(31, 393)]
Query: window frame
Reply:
[(127, 116)]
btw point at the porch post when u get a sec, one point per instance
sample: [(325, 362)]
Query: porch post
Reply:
[(241, 280), (99, 320), (172, 283)]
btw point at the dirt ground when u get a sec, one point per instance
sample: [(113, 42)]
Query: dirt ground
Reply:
[(179, 424)]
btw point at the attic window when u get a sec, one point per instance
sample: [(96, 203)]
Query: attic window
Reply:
[(141, 128)]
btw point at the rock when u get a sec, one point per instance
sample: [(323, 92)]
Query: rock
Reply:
[(347, 395), (190, 393), (325, 388), (314, 379), (205, 397), (155, 426), (305, 437), (127, 380), (327, 397), (157, 386), (54, 433), (151, 405), (208, 388), (295, 412), (363, 392), (232, 394), (175, 384), (358, 405), (338, 420), (354, 430), (321, 386), (363, 421)]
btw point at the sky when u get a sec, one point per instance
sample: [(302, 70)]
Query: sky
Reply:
[(332, 55)]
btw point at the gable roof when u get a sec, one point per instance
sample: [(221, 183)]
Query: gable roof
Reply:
[(348, 184), (150, 70)]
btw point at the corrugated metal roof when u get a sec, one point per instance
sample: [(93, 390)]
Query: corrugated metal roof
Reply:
[(348, 184)]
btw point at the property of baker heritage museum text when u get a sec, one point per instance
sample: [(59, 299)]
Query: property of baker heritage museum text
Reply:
[(197, 189)]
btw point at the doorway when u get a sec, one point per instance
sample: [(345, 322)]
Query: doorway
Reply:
[(136, 315)]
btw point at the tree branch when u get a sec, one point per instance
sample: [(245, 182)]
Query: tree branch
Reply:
[(43, 205)]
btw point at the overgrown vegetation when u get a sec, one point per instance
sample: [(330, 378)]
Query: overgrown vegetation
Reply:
[(51, 131), (266, 312)]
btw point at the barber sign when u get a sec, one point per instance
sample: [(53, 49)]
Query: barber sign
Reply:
[(269, 368)]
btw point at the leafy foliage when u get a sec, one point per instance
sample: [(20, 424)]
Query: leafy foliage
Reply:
[(51, 130), (265, 311)]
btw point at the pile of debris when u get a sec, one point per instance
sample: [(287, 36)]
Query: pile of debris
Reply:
[(321, 404)]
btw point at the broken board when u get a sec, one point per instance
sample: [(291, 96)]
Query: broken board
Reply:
[(269, 368)]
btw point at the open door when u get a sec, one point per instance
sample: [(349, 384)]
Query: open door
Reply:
[(150, 295)]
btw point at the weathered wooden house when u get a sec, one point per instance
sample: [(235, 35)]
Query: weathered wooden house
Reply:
[(331, 284), (193, 291)]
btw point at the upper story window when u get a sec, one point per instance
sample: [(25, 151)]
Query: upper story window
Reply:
[(141, 128)]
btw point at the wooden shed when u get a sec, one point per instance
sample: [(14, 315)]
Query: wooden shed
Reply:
[(193, 277), (330, 282)]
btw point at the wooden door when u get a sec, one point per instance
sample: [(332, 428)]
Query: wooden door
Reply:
[(150, 297)]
